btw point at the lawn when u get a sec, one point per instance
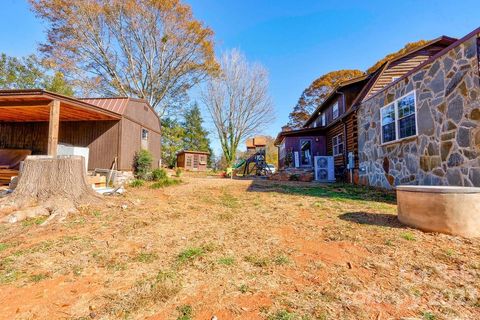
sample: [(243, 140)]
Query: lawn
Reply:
[(237, 249)]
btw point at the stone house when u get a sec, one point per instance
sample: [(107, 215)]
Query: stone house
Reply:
[(332, 129), (424, 127)]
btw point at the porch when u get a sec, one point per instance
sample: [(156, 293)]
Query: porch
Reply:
[(35, 121)]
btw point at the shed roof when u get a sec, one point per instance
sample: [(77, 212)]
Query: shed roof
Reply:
[(115, 104), (33, 105), (193, 151)]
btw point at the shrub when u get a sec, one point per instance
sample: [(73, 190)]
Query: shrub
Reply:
[(178, 172), (137, 183), (142, 163), (159, 174)]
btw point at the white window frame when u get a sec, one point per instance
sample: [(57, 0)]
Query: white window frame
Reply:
[(324, 119), (397, 120), (335, 106), (336, 144), (146, 136)]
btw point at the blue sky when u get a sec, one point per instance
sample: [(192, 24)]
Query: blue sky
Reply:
[(297, 41)]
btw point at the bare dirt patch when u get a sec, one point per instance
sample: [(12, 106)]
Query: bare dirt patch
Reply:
[(237, 249)]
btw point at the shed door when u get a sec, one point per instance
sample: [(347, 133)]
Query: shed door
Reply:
[(196, 160)]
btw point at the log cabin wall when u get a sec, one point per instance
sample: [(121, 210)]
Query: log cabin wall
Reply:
[(101, 137)]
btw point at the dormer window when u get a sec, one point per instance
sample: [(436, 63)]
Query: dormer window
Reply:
[(324, 120), (335, 110)]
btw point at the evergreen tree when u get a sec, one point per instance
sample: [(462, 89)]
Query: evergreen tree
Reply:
[(172, 141), (195, 136)]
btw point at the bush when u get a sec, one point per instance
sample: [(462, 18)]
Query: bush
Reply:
[(137, 183), (178, 172), (159, 174), (142, 163)]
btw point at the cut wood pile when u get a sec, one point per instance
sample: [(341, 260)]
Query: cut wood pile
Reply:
[(6, 175), (293, 174)]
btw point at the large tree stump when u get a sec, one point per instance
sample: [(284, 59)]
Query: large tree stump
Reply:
[(48, 186)]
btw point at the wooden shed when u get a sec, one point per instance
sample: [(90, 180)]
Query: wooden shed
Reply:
[(38, 120), (192, 160)]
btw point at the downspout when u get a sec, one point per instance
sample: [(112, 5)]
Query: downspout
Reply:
[(345, 159)]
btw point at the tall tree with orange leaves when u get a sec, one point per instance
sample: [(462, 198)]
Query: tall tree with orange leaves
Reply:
[(316, 93), (150, 49)]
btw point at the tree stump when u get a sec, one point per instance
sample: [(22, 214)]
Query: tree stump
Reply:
[(48, 186)]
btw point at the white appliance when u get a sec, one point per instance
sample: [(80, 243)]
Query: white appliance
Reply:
[(324, 169), (69, 150)]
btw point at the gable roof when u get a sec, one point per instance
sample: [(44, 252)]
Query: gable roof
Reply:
[(115, 104), (332, 94), (434, 57)]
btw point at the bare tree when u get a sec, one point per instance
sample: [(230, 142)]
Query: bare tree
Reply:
[(150, 49), (238, 101)]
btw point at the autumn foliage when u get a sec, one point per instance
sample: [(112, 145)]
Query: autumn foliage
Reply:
[(316, 93), (150, 49)]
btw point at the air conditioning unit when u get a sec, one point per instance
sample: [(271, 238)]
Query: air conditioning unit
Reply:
[(324, 169)]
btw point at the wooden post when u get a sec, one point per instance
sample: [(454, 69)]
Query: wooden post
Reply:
[(53, 125)]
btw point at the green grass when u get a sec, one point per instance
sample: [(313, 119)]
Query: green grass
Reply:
[(165, 183), (340, 192), (135, 183), (244, 288), (281, 260), (190, 254), (146, 257), (428, 316), (283, 315), (4, 246), (34, 221), (260, 262), (408, 236), (185, 311), (39, 277), (226, 261)]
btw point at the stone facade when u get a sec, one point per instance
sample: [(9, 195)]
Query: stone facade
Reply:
[(446, 149)]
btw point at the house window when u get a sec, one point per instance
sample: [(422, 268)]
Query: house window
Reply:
[(337, 145), (144, 134), (324, 120), (306, 152), (398, 119), (335, 110), (188, 160)]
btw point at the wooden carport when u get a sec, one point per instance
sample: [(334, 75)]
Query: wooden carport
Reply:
[(44, 106)]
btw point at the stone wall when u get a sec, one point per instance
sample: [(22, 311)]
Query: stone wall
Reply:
[(446, 149)]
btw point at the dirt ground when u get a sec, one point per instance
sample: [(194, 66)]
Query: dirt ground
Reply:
[(237, 249)]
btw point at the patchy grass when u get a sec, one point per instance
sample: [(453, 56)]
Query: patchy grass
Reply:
[(185, 312), (190, 254), (408, 236), (238, 249), (227, 261), (165, 183), (34, 221), (146, 257), (136, 183)]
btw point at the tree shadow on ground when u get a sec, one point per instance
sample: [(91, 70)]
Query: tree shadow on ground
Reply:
[(373, 219), (333, 191)]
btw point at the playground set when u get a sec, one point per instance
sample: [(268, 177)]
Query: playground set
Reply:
[(255, 162)]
